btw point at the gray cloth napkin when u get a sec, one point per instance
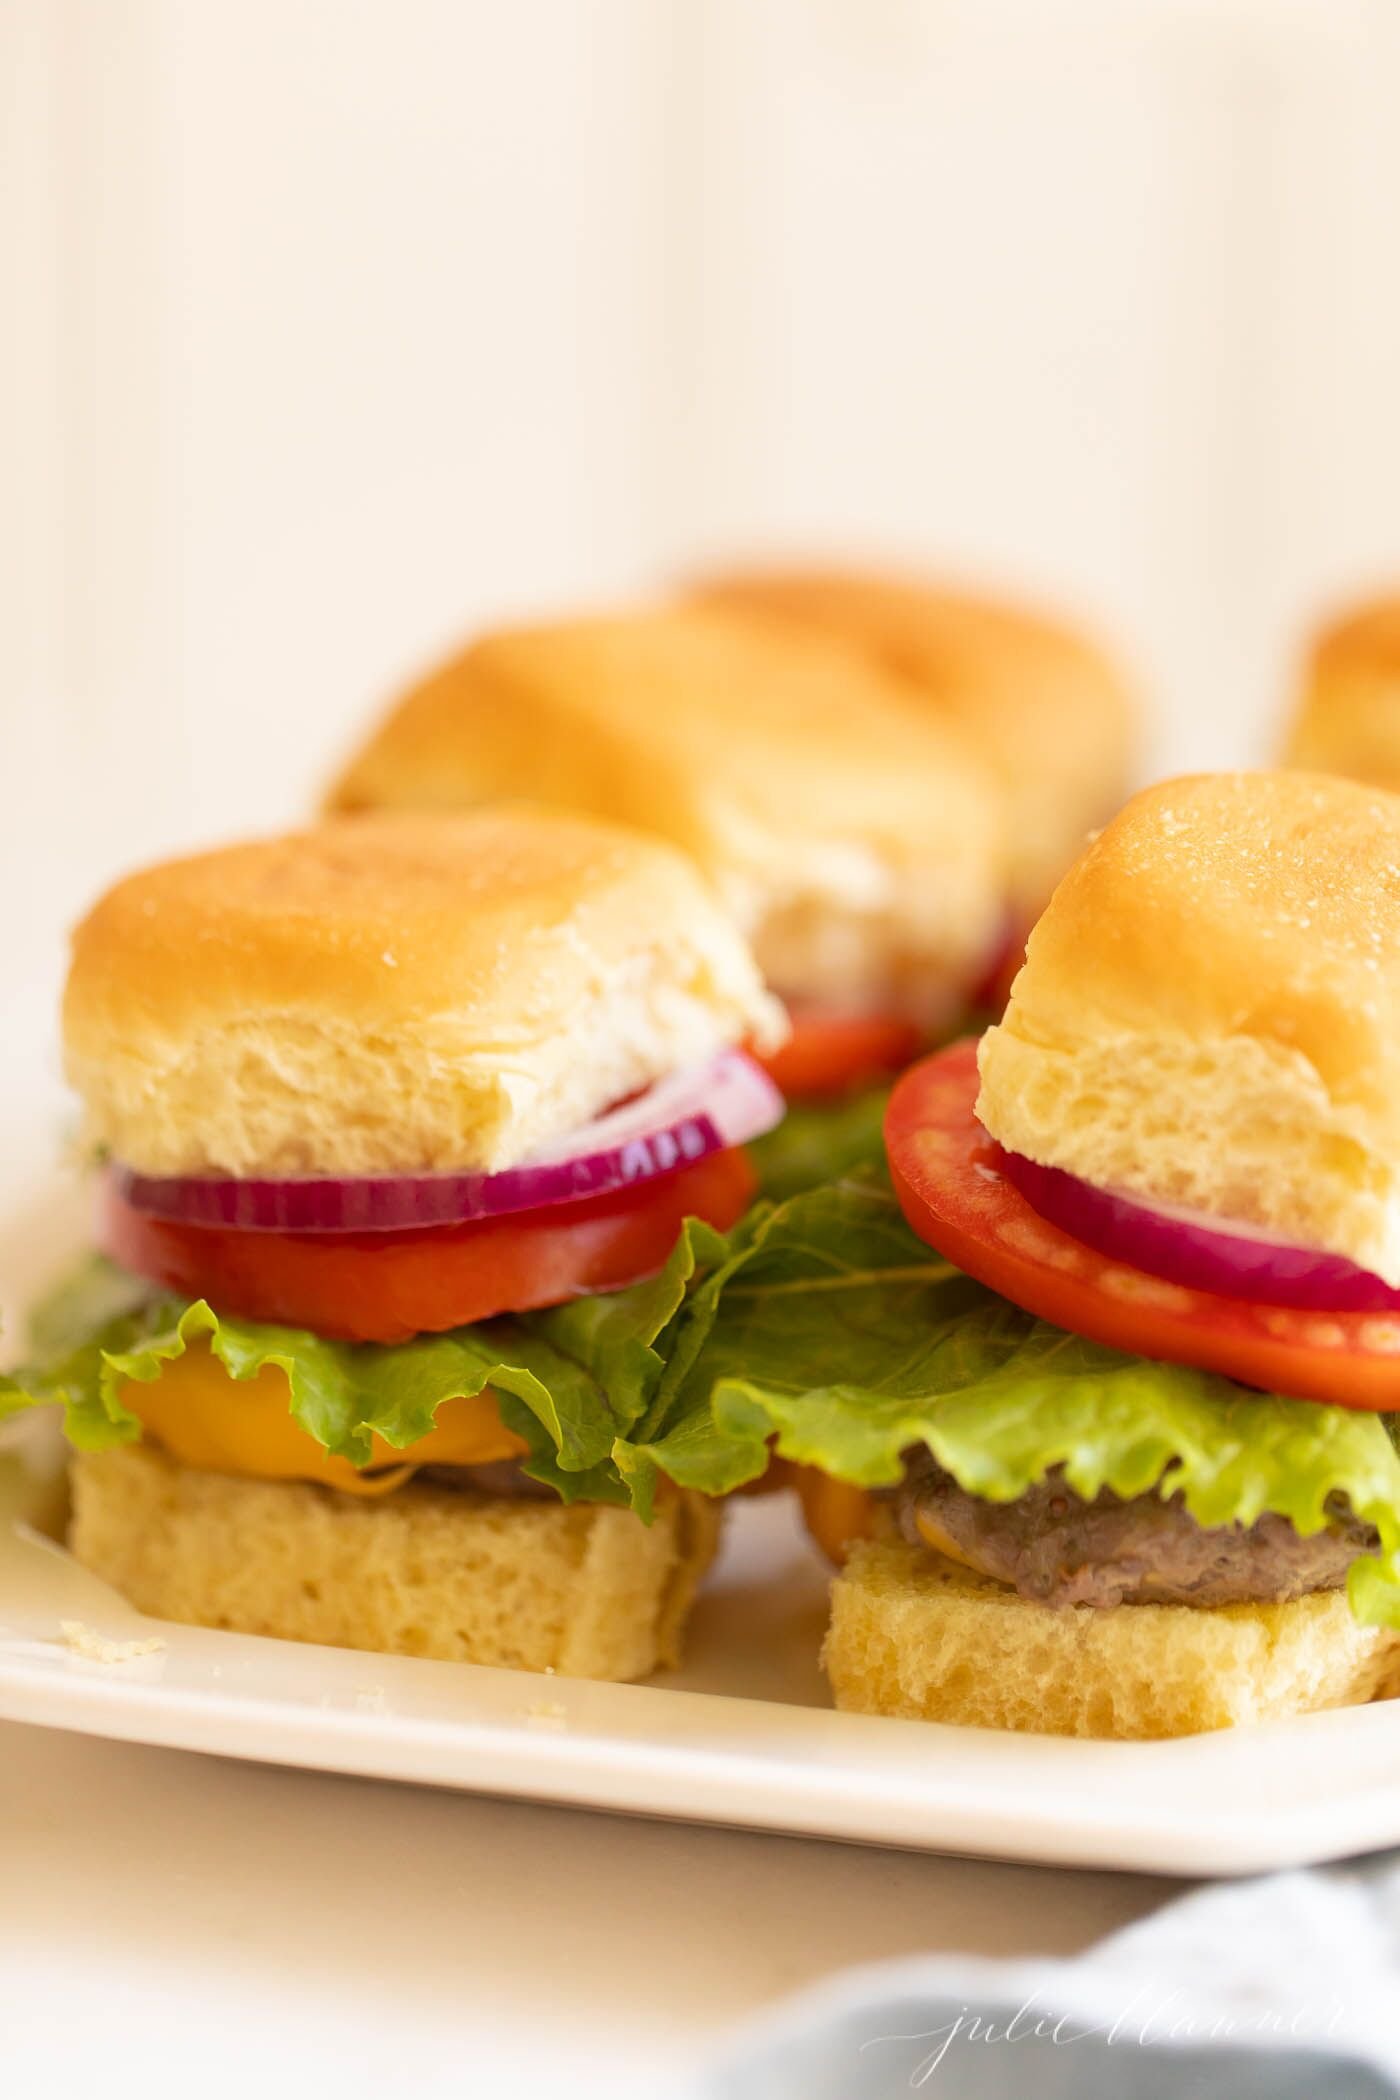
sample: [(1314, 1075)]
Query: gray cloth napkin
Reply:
[(1286, 1987)]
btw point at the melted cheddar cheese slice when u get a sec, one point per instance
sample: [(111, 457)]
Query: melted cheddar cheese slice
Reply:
[(838, 1514), (835, 1513), (933, 1534), (206, 1419)]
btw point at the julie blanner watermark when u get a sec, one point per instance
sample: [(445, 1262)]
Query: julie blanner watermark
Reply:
[(1147, 2021)]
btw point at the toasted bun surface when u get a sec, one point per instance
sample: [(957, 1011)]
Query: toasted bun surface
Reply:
[(1209, 1012), (1348, 720), (918, 1637), (396, 994), (1046, 708), (859, 844), (586, 1591)]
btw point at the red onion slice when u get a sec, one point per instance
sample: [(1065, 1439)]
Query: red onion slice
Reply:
[(672, 1125), (1233, 1261)]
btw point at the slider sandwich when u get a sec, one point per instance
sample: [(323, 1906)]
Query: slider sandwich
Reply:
[(858, 843), (1124, 1377), (401, 1127), (1044, 706), (1348, 717)]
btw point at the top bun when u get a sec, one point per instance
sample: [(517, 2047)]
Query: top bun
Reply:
[(396, 996), (857, 842), (1045, 707), (1349, 718), (1209, 1012)]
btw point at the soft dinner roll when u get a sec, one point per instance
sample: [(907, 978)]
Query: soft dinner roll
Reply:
[(857, 842), (1209, 1012), (1349, 718), (396, 995), (586, 1591), (916, 1636), (1046, 707)]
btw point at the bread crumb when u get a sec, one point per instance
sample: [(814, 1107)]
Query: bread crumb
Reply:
[(92, 1646), (547, 1714)]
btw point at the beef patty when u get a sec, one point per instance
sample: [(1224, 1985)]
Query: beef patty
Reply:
[(505, 1477), (1056, 1549)]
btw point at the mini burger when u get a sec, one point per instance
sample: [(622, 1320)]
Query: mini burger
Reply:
[(1043, 705), (1125, 1375), (858, 843), (1348, 718), (400, 1126)]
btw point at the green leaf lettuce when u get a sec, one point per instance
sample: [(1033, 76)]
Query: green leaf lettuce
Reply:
[(572, 1381), (821, 1141), (821, 1327), (834, 1333)]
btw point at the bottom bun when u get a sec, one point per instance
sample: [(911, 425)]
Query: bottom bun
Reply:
[(586, 1591), (917, 1636)]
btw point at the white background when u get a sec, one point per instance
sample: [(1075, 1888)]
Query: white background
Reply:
[(333, 327)]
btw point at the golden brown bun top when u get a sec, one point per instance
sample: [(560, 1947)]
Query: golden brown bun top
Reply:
[(395, 993), (1366, 638), (394, 916), (844, 828), (1045, 706), (1266, 901), (1209, 1011), (1348, 720), (669, 719)]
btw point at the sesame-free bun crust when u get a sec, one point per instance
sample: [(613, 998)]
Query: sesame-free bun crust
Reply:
[(1209, 1012), (586, 1591), (1348, 719), (918, 1637), (396, 994), (858, 842), (1042, 702)]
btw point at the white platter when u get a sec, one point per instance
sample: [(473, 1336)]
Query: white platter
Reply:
[(743, 1735)]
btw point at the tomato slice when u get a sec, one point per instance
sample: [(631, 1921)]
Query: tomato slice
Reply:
[(390, 1286), (947, 1176), (828, 1055)]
